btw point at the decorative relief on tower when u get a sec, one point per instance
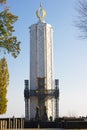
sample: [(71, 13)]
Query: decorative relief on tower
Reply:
[(33, 52), (40, 49), (49, 59)]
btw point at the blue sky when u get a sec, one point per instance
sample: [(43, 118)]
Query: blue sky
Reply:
[(70, 61)]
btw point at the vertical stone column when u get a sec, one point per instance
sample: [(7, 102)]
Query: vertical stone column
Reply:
[(18, 121), (8, 123), (11, 124), (27, 103)]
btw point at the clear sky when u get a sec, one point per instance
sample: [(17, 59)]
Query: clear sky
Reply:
[(70, 56)]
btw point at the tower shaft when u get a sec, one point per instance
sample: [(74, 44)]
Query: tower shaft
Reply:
[(41, 63)]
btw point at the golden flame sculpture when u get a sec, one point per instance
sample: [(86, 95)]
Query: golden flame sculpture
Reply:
[(41, 13)]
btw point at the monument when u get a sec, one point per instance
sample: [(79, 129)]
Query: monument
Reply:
[(42, 92)]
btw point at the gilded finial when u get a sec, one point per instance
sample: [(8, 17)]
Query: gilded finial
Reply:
[(40, 4), (41, 13)]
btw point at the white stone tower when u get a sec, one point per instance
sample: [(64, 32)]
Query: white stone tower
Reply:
[(42, 88)]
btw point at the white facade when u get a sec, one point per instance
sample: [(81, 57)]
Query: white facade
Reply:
[(41, 63)]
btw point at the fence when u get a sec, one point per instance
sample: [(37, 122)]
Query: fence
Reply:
[(12, 123)]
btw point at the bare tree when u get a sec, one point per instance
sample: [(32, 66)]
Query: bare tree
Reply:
[(82, 18)]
